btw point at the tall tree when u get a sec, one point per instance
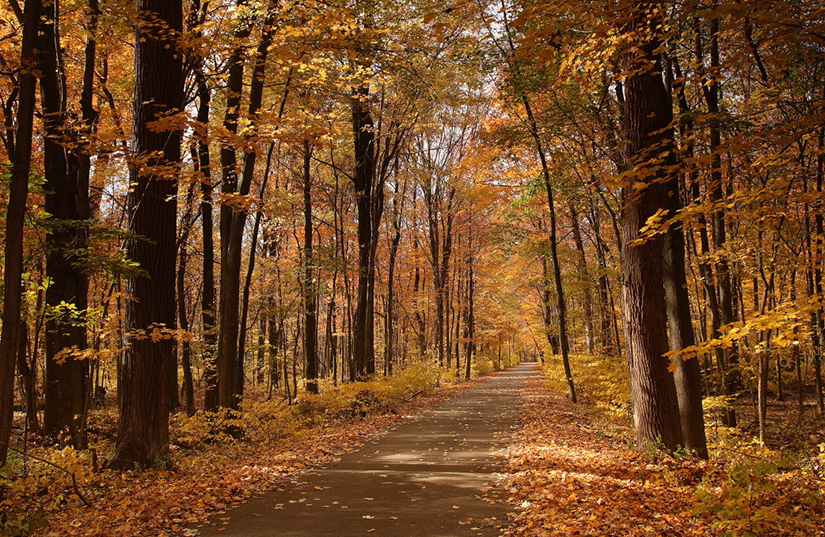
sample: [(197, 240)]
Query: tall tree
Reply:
[(649, 135), (143, 429), (15, 215), (67, 168), (233, 219), (310, 287)]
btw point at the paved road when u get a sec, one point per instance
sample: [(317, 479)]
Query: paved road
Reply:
[(430, 477)]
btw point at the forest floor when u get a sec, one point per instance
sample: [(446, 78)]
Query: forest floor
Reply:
[(436, 476), (507, 454), (203, 482), (573, 470)]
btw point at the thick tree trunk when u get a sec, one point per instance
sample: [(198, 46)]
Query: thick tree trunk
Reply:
[(649, 134), (143, 429), (67, 201)]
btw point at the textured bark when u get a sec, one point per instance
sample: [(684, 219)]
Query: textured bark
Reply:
[(688, 375), (233, 220), (364, 145), (67, 201), (648, 133), (143, 428), (15, 215)]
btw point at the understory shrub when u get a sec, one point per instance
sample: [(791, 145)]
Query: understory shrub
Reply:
[(268, 421)]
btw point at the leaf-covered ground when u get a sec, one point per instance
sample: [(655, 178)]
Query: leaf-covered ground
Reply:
[(203, 482), (572, 474)]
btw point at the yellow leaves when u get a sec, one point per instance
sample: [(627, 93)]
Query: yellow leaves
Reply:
[(655, 225), (160, 332)]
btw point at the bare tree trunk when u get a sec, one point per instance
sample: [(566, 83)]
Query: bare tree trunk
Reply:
[(186, 348), (561, 307), (471, 321), (310, 288), (143, 429), (729, 361), (649, 134), (67, 201), (203, 165), (389, 320), (230, 365), (15, 215), (364, 145), (688, 375)]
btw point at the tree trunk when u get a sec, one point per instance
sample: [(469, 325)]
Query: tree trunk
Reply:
[(648, 133), (554, 255), (729, 361), (203, 165), (688, 375), (15, 215), (389, 320), (67, 201), (143, 429), (471, 321), (364, 147), (310, 290), (233, 219), (584, 281), (183, 324)]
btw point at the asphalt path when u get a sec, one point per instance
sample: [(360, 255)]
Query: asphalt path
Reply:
[(434, 476)]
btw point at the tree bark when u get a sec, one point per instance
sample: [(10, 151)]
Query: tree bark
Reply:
[(688, 375), (648, 116), (143, 428), (233, 220), (67, 201), (310, 292), (204, 166), (364, 147), (15, 215)]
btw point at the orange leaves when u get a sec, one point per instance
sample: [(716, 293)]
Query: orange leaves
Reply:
[(569, 480)]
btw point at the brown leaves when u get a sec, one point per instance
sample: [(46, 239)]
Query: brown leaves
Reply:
[(568, 480)]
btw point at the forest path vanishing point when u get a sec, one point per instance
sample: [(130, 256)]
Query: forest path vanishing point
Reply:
[(434, 476)]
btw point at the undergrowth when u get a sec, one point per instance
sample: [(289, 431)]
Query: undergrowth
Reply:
[(746, 488), (47, 483)]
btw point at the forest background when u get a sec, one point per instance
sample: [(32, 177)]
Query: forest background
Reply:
[(216, 209)]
